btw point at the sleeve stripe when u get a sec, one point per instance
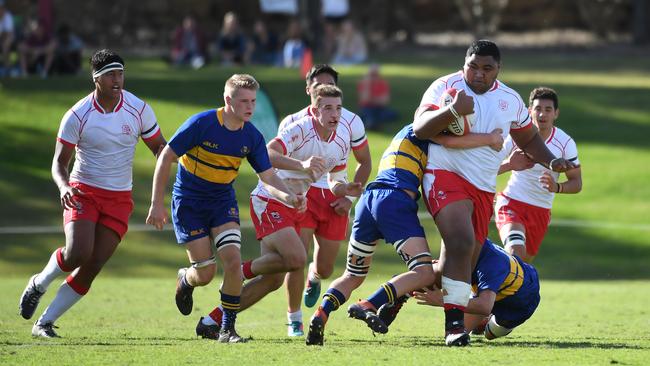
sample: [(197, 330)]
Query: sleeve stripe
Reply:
[(64, 142), (360, 146), (151, 129), (284, 148), (152, 137), (573, 159), (523, 128), (359, 139), (338, 168)]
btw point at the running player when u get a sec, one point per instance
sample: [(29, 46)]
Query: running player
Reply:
[(523, 209), (101, 131), (210, 147)]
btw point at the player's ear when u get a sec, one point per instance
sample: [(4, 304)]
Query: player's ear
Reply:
[(557, 113), (227, 99)]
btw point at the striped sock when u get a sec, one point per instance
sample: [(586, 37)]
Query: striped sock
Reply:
[(332, 300), (230, 305), (385, 294)]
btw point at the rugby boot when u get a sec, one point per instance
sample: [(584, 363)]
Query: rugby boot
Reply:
[(44, 330), (207, 331), (316, 333), (295, 329), (358, 311), (184, 301), (388, 312), (311, 294), (230, 336), (30, 298)]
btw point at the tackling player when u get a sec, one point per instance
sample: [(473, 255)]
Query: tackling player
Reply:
[(523, 209), (101, 131), (210, 147)]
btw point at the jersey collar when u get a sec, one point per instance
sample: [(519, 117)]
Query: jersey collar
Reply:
[(101, 110)]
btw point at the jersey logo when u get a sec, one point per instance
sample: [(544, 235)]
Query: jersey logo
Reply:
[(126, 129), (442, 195), (276, 216), (211, 145), (197, 231), (233, 212), (245, 150), (503, 105)]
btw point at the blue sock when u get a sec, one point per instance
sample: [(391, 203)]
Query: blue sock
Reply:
[(385, 293), (230, 305), (332, 299)]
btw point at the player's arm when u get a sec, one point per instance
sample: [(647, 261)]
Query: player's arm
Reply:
[(336, 180), (429, 123), (276, 187), (157, 212), (364, 166), (573, 184), (314, 166), (529, 140), (481, 305), (516, 161), (60, 164), (156, 144), (493, 139)]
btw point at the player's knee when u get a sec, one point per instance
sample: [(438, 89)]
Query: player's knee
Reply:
[(425, 275), (295, 261), (75, 258), (324, 272), (205, 274), (461, 244), (493, 330), (232, 268)]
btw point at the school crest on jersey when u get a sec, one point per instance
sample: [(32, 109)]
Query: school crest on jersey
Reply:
[(245, 150), (126, 129), (503, 105), (233, 212)]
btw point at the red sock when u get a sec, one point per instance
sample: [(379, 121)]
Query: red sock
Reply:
[(454, 306), (321, 313), (246, 269), (368, 305), (216, 315)]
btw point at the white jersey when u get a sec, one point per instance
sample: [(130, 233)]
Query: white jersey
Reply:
[(524, 185), (300, 141), (349, 121), (105, 141), (500, 107)]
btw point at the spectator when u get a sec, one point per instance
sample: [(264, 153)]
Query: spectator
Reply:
[(6, 37), (350, 45), (294, 46), (37, 51), (189, 44), (231, 45), (334, 13), (67, 56), (265, 45), (374, 99)]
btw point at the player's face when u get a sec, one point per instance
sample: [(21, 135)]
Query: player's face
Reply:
[(544, 113), (242, 103), (328, 113), (320, 79), (110, 84), (480, 72)]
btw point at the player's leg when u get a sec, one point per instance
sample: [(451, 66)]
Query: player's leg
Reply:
[(295, 284), (513, 237)]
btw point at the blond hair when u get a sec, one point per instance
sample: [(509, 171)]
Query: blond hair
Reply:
[(240, 81), (327, 91)]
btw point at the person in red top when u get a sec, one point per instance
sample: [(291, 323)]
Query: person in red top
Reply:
[(37, 51), (188, 46), (374, 96)]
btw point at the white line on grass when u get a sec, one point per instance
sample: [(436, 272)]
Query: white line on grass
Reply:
[(247, 224)]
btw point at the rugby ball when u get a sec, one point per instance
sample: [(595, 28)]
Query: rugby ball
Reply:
[(462, 125)]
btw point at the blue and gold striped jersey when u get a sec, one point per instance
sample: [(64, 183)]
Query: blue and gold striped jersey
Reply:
[(210, 155), (508, 276), (403, 162)]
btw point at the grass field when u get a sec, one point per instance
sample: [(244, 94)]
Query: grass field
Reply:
[(594, 264)]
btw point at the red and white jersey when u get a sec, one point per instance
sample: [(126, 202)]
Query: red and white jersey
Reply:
[(524, 185), (500, 107), (350, 121), (300, 141), (105, 141)]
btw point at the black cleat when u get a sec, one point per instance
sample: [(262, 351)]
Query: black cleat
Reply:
[(184, 301), (388, 312), (207, 331), (358, 311), (44, 330), (29, 299), (316, 332), (230, 336)]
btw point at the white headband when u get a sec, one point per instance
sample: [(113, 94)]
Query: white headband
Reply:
[(110, 67)]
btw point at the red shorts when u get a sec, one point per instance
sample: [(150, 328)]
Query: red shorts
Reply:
[(109, 208), (442, 187), (322, 217), (270, 215), (535, 220)]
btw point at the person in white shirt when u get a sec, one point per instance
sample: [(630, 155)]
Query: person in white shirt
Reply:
[(101, 131), (523, 209), (459, 184)]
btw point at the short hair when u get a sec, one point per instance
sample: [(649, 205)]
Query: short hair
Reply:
[(321, 69), (327, 91), (104, 57), (240, 81), (484, 47), (543, 92)]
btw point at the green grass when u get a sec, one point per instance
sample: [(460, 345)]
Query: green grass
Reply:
[(595, 275)]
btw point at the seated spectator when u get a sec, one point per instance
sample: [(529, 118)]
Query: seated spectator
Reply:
[(350, 45), (67, 55), (231, 45), (265, 45), (294, 46), (36, 53), (6, 37), (188, 46), (374, 97)]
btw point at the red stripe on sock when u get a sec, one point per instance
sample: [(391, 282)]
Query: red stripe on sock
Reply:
[(368, 305), (81, 290), (321, 313), (216, 315), (454, 306), (247, 270), (59, 260)]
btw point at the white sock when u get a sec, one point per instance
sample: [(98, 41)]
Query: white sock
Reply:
[(312, 275), (65, 298), (207, 320), (49, 273), (294, 317), (458, 292)]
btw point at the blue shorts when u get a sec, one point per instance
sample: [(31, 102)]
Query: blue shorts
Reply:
[(386, 213), (514, 310), (193, 219)]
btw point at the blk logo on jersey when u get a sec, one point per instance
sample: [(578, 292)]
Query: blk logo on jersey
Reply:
[(503, 105), (210, 144), (126, 129)]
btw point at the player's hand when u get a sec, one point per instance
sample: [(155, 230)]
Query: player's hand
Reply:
[(353, 189), (496, 139), (314, 166), (463, 103), (561, 165), (157, 216), (518, 160), (298, 201), (68, 197), (548, 182), (341, 206), (429, 296)]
